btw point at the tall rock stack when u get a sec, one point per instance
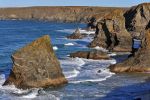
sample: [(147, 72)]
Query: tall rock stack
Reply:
[(137, 20), (36, 65), (111, 31), (138, 17)]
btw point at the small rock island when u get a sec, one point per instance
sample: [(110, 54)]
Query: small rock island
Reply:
[(36, 65)]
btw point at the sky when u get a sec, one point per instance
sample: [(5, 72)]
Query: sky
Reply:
[(106, 3)]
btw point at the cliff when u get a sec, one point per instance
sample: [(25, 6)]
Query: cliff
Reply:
[(137, 20), (61, 14), (111, 32)]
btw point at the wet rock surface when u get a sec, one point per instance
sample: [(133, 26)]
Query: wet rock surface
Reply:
[(95, 54), (140, 62), (36, 65), (76, 35), (111, 33)]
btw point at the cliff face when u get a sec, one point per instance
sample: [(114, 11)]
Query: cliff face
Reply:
[(137, 20), (111, 32), (138, 17), (36, 65), (61, 14), (140, 62)]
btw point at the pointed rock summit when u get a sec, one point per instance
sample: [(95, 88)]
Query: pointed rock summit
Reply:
[(36, 65), (76, 35)]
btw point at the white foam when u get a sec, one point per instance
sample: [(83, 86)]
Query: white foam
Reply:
[(55, 48), (86, 32), (66, 30), (71, 74), (112, 54), (69, 44), (112, 61), (101, 49), (79, 61), (31, 95), (105, 72), (13, 90)]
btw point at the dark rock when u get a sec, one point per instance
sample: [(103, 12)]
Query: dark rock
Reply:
[(138, 17), (140, 62), (76, 35), (36, 65), (99, 71), (111, 33), (90, 54)]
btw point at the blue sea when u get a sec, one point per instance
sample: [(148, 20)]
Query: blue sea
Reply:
[(85, 80)]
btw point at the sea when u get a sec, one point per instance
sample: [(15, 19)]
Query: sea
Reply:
[(87, 79)]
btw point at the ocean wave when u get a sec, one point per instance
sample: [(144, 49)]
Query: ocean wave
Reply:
[(112, 54), (86, 32), (101, 49), (103, 72), (10, 91), (71, 74), (69, 44), (55, 48), (66, 30), (79, 61)]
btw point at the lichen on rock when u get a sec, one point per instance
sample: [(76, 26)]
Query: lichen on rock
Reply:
[(36, 65)]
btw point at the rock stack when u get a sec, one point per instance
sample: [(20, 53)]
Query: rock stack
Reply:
[(36, 65)]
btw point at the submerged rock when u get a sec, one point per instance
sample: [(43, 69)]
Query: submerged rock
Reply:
[(90, 54), (36, 65), (138, 63)]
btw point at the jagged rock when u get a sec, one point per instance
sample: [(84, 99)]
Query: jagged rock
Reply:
[(111, 33), (90, 54), (138, 63), (138, 17), (76, 35), (36, 65)]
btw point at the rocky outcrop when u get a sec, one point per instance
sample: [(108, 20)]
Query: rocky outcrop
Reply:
[(36, 65), (76, 35), (59, 14), (111, 32), (90, 55), (138, 63), (138, 17)]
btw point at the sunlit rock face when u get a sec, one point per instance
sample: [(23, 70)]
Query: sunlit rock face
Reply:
[(138, 17), (36, 65)]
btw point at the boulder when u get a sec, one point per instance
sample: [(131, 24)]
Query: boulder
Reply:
[(76, 35), (36, 65), (138, 63), (95, 54)]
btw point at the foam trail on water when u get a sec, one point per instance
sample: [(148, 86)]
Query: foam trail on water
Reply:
[(71, 74), (66, 30), (86, 32), (80, 61), (69, 44), (105, 72)]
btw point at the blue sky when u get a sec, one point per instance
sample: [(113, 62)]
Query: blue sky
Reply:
[(110, 3)]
